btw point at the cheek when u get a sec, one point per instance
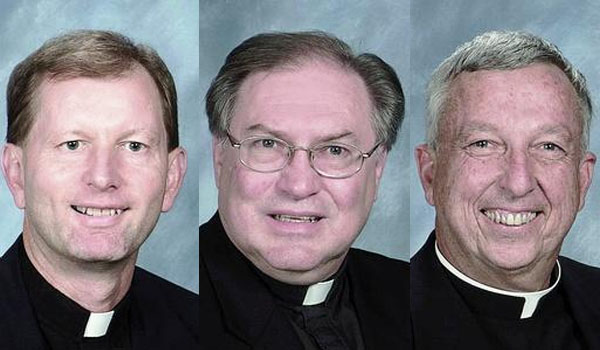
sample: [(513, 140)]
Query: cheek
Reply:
[(47, 179), (560, 185), (240, 185), (356, 193)]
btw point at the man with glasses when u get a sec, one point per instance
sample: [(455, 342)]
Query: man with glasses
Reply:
[(301, 131)]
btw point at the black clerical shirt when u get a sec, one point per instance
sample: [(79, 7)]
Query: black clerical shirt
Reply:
[(63, 322), (330, 325), (499, 316)]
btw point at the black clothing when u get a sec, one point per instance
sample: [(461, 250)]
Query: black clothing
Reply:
[(241, 311), (333, 323), (449, 313), (62, 321), (161, 315)]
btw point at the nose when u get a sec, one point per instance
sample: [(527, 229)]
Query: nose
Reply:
[(518, 178), (298, 180), (102, 171)]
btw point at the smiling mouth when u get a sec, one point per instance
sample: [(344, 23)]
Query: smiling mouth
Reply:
[(296, 219), (510, 219), (90, 211)]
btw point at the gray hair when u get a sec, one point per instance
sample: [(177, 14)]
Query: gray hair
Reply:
[(268, 51), (500, 50)]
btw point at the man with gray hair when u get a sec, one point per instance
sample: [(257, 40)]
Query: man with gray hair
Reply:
[(92, 158), (507, 176), (301, 130)]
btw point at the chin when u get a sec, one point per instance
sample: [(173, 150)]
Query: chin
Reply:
[(100, 252), (513, 258), (295, 259)]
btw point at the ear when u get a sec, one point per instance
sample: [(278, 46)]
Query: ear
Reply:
[(177, 160), (586, 171), (12, 168), (380, 160), (217, 148), (425, 158), (380, 165)]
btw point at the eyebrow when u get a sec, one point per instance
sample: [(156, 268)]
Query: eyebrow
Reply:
[(153, 138), (475, 127), (282, 135)]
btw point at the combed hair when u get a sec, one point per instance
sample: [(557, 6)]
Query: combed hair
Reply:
[(90, 54), (268, 51), (500, 50)]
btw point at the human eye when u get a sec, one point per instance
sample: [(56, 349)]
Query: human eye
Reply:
[(71, 145), (550, 150), (134, 146), (482, 147), (264, 143), (337, 150), (551, 147), (481, 144), (267, 143), (334, 151)]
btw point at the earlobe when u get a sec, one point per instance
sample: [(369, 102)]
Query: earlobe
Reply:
[(177, 167), (12, 168), (426, 167), (586, 172)]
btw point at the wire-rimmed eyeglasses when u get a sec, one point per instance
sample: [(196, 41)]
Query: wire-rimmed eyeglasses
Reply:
[(266, 154)]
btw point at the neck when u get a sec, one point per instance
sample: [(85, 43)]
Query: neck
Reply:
[(302, 278), (531, 278), (96, 286)]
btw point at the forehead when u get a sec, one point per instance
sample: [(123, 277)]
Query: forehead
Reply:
[(315, 96), (99, 101), (536, 93)]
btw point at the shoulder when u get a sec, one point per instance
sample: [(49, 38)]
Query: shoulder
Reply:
[(379, 270), (583, 273), (147, 283), (164, 300), (371, 260)]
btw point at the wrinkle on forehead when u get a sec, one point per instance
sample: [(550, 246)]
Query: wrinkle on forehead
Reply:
[(478, 88)]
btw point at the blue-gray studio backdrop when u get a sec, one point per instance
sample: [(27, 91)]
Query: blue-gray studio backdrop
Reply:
[(380, 26), (438, 27), (171, 28)]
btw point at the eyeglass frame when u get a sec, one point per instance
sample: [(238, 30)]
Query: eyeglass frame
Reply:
[(292, 150)]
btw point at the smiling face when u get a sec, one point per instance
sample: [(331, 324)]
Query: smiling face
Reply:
[(293, 224), (94, 173), (509, 175)]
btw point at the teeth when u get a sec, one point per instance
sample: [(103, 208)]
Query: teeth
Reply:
[(510, 219), (300, 219), (98, 211)]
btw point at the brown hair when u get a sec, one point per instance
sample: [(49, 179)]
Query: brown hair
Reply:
[(267, 51), (85, 53)]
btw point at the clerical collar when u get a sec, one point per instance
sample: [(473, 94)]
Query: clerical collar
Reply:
[(61, 316), (301, 295), (317, 293), (531, 299)]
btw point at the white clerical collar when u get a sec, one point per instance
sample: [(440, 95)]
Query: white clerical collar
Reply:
[(97, 324), (531, 298), (317, 293)]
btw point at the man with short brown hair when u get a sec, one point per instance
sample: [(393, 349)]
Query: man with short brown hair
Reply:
[(301, 131), (92, 157)]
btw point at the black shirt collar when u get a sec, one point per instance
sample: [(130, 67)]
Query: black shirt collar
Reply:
[(59, 316), (296, 294)]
